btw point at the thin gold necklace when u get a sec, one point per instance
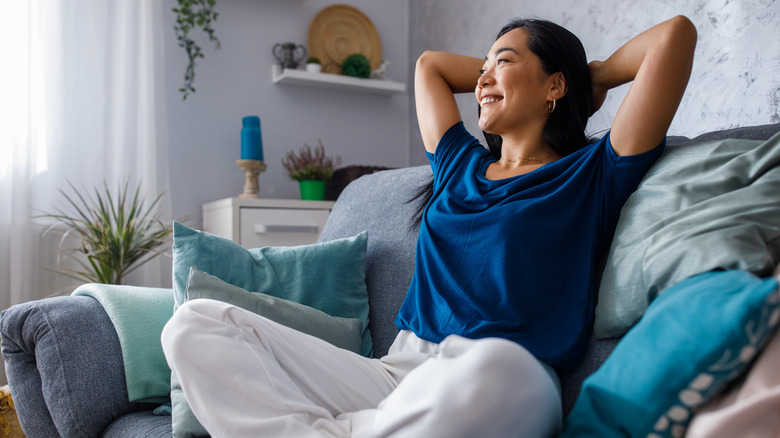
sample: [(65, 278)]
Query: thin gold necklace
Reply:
[(531, 159)]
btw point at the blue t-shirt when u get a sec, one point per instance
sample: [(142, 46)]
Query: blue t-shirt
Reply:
[(515, 258)]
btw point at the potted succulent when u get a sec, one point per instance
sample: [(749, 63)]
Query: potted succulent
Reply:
[(313, 65), (312, 169), (356, 65), (117, 231)]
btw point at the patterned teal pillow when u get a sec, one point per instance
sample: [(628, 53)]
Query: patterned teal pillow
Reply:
[(694, 338)]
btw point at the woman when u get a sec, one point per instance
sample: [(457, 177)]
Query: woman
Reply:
[(503, 292)]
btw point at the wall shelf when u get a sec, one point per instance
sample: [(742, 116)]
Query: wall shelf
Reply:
[(335, 82)]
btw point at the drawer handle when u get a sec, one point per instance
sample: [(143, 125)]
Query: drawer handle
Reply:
[(267, 229)]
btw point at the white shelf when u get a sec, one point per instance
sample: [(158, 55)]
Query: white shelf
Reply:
[(335, 82)]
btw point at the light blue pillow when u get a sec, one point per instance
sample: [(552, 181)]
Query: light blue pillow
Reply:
[(341, 332), (328, 276), (694, 338), (701, 207)]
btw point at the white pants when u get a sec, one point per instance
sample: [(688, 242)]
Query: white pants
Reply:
[(246, 376)]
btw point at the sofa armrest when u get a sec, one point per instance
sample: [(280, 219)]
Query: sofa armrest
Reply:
[(64, 366)]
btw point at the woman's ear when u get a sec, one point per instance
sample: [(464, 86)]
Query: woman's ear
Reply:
[(558, 87)]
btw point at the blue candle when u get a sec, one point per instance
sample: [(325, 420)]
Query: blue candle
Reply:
[(251, 139)]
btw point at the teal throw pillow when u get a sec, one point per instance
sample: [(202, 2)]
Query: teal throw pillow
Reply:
[(328, 276), (341, 332), (694, 338)]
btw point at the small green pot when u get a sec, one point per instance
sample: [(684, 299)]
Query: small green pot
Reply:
[(312, 190)]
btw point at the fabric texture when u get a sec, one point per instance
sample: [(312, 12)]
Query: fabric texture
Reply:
[(342, 332), (64, 366), (372, 203), (327, 276), (704, 206), (695, 338), (304, 387), (470, 283), (138, 315), (750, 409)]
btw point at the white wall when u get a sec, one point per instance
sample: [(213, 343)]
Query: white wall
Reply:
[(233, 82), (735, 79)]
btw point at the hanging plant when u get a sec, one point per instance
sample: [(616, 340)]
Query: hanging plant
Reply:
[(191, 15)]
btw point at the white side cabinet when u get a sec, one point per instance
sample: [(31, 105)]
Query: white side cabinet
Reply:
[(254, 223)]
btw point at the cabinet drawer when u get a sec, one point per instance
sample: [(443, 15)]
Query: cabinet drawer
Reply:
[(280, 227)]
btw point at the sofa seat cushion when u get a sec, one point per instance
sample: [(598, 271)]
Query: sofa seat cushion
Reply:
[(143, 424)]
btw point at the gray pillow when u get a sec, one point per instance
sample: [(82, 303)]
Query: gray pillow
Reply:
[(701, 207), (341, 332)]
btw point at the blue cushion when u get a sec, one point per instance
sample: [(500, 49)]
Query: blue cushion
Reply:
[(694, 338), (342, 332), (327, 276)]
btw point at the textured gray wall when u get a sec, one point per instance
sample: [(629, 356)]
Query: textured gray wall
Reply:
[(736, 73)]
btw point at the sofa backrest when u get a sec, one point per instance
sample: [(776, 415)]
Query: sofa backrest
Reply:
[(380, 204)]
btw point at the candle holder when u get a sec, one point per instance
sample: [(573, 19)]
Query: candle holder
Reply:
[(252, 169)]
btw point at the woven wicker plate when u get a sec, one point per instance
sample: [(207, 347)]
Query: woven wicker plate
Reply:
[(339, 31)]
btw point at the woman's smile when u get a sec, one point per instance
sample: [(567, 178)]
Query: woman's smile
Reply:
[(487, 100)]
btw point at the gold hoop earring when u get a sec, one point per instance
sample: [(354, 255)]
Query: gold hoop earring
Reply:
[(551, 106)]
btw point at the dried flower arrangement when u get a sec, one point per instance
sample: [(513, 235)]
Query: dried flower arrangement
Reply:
[(310, 163)]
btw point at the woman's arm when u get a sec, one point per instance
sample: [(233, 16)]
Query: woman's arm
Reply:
[(437, 77), (659, 62)]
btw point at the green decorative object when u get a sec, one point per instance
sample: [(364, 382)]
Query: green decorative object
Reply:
[(118, 233), (312, 190), (356, 65), (310, 163), (191, 15)]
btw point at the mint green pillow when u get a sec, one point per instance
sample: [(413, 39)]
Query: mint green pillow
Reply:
[(328, 276), (694, 338), (341, 332)]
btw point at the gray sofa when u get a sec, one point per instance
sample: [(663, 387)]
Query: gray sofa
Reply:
[(63, 357)]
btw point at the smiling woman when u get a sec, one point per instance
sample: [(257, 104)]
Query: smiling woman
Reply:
[(502, 297), (535, 92)]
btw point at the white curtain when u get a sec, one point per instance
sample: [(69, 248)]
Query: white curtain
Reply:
[(81, 100)]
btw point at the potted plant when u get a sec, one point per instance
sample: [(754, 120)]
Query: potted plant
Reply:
[(356, 65), (118, 233), (313, 65), (312, 169)]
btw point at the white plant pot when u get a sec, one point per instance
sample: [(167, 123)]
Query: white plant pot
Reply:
[(313, 68)]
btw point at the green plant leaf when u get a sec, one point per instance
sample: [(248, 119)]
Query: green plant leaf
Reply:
[(116, 233)]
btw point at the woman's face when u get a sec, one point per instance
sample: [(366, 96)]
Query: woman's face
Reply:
[(513, 87)]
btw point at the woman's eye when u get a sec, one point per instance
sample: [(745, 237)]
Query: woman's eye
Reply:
[(501, 61), (481, 71)]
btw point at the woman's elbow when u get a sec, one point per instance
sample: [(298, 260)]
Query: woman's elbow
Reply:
[(425, 60), (683, 32)]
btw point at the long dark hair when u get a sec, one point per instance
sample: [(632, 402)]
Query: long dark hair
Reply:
[(559, 50)]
